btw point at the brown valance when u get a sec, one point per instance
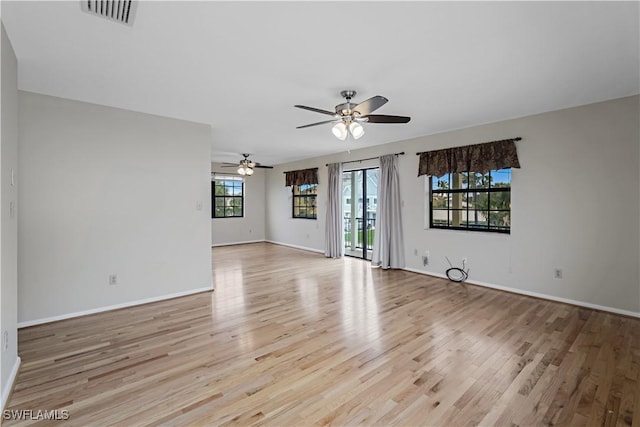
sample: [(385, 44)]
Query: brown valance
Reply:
[(475, 158), (301, 177)]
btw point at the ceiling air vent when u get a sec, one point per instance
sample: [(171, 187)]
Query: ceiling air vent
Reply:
[(121, 11)]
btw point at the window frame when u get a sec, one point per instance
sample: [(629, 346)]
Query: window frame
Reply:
[(295, 197), (452, 191), (214, 196)]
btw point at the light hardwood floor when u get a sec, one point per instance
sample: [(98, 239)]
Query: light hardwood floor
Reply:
[(292, 338)]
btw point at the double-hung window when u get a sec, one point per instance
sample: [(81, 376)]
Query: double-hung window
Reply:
[(304, 201), (227, 193), (471, 201)]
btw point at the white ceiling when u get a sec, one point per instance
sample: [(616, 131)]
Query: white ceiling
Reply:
[(241, 66)]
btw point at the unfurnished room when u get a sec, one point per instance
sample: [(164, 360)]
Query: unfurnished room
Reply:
[(300, 213)]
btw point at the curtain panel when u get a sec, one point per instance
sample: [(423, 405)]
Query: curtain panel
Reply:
[(334, 245), (301, 177), (477, 158), (388, 240)]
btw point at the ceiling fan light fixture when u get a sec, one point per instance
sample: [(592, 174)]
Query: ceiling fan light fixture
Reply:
[(356, 130), (340, 131), (246, 168)]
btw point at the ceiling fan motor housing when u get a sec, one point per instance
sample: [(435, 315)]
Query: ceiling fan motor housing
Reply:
[(344, 109)]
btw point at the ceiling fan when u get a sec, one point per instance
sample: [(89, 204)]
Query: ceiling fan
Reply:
[(348, 117), (246, 166)]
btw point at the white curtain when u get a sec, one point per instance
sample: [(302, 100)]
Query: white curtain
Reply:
[(333, 230), (388, 242)]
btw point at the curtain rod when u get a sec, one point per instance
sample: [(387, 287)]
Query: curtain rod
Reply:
[(500, 140), (369, 158)]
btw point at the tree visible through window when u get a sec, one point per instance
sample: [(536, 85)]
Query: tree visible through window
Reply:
[(471, 201), (304, 201), (228, 196)]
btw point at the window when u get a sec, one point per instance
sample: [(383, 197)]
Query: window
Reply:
[(304, 201), (471, 201), (227, 193)]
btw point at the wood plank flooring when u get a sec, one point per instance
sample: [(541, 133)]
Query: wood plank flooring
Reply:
[(290, 338)]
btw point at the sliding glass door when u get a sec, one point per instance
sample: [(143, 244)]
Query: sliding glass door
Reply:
[(359, 203)]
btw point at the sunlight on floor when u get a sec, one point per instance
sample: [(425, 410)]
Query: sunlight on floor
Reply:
[(229, 295), (359, 303)]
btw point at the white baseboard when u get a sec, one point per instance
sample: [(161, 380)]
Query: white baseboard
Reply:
[(214, 245), (6, 392), (536, 295), (304, 248), (112, 307)]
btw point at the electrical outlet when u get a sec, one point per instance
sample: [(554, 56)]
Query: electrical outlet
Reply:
[(113, 279), (557, 273), (5, 340)]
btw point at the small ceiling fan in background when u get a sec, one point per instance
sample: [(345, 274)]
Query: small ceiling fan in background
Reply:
[(348, 117), (246, 166)]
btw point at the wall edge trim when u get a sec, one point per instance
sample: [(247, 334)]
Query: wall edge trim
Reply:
[(112, 307), (536, 295), (243, 242), (6, 392), (304, 248)]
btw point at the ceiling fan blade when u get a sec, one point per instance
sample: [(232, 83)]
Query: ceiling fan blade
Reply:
[(315, 124), (370, 105), (381, 118), (317, 110), (258, 165)]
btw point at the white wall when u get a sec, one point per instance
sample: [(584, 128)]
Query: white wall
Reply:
[(575, 206), (9, 360), (251, 227), (281, 226), (108, 191)]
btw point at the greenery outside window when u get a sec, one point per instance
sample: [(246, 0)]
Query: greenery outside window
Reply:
[(471, 201), (304, 201), (228, 196)]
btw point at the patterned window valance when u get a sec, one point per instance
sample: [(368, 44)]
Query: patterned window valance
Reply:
[(476, 158), (301, 177)]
